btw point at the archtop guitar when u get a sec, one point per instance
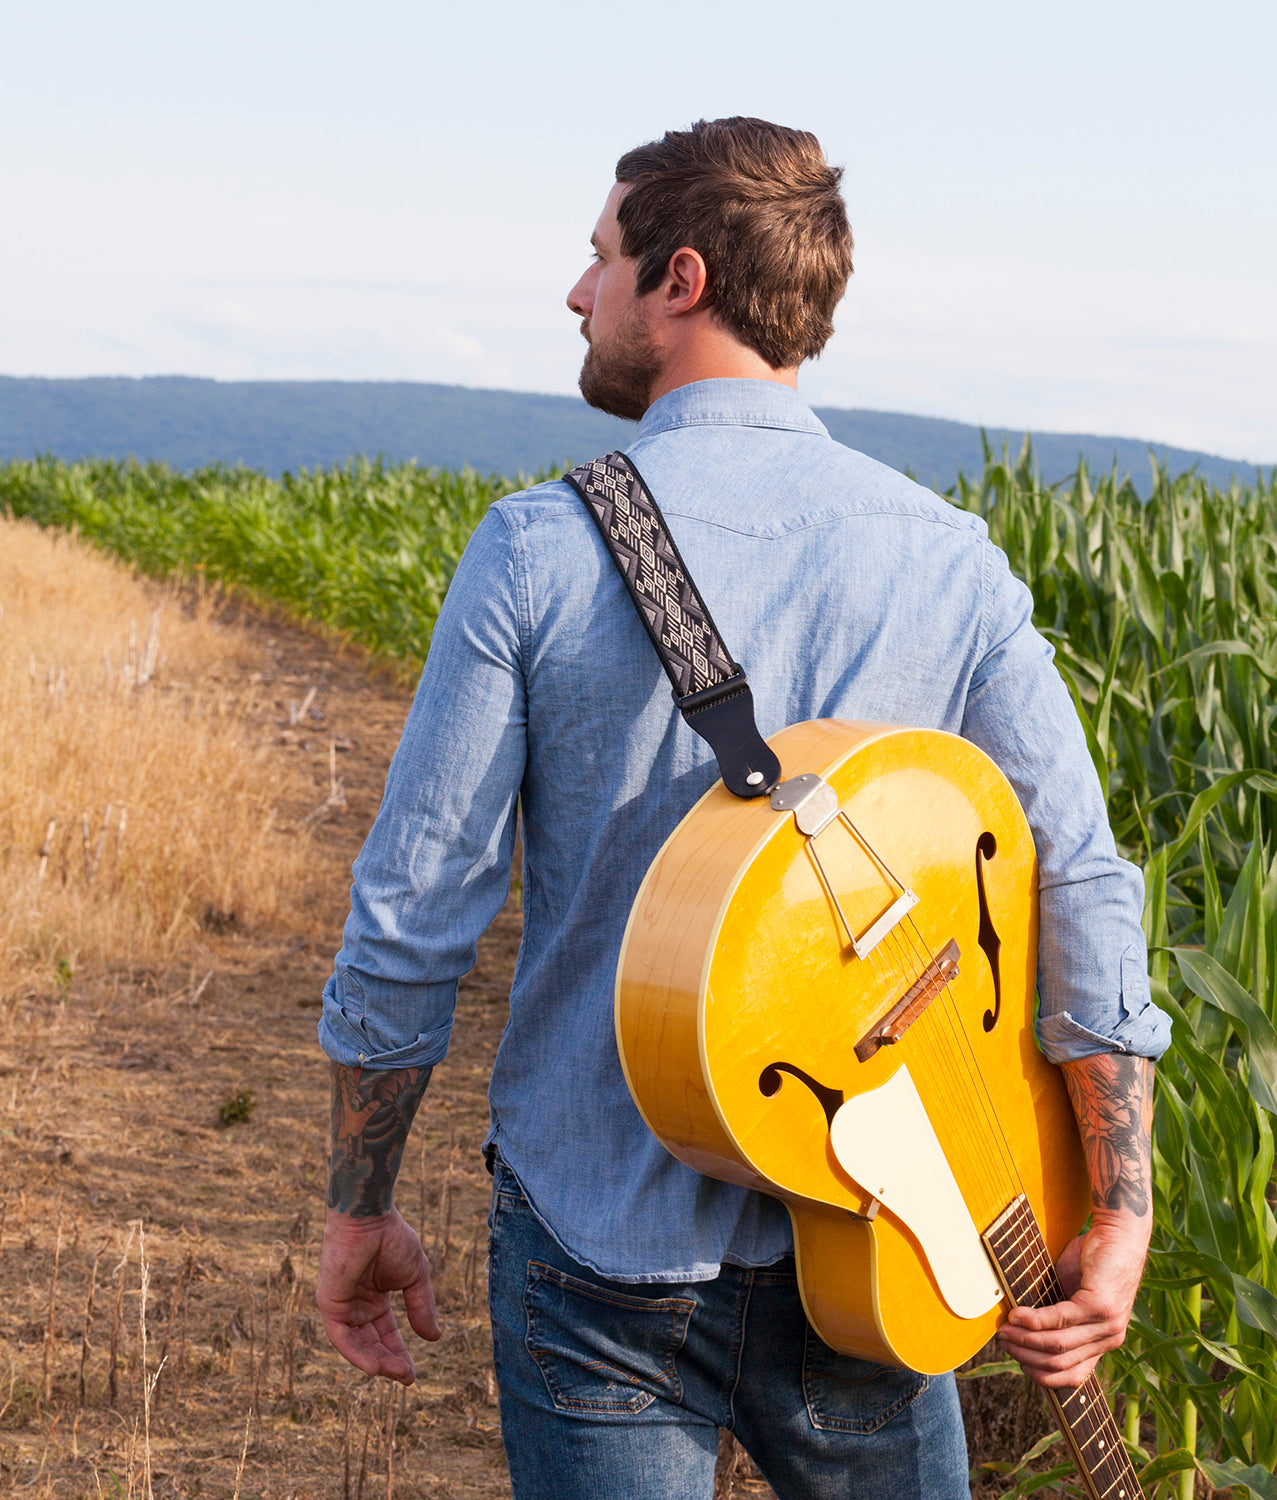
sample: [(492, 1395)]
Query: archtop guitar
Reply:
[(827, 995)]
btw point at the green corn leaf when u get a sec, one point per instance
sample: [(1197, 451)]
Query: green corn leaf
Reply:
[(1211, 649), (1174, 1462), (1040, 1481), (1216, 986), (1205, 802), (1098, 757), (1261, 1483), (1036, 1451), (1226, 1356), (982, 1372), (1256, 1305)]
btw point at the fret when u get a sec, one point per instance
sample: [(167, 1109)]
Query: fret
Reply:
[(1124, 1487), (1014, 1241)]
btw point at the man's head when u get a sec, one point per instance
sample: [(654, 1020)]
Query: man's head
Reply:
[(722, 249)]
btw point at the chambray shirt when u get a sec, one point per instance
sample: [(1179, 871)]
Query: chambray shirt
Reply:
[(846, 591)]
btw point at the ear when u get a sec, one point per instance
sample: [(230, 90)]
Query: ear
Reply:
[(686, 282)]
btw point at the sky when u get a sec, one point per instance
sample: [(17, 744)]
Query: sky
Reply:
[(1065, 215)]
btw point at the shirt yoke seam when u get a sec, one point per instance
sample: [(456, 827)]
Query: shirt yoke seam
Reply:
[(567, 508), (749, 419)]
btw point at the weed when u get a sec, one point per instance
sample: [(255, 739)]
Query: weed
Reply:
[(237, 1108)]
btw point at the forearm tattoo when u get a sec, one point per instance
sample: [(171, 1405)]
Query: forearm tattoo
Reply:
[(372, 1115), (1112, 1098)]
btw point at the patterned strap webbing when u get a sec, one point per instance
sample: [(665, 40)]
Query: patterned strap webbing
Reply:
[(668, 602), (710, 688)]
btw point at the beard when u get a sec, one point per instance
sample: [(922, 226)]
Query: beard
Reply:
[(618, 372)]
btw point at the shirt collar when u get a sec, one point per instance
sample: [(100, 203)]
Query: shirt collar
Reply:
[(731, 403)]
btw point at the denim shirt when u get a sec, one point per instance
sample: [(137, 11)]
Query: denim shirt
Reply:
[(846, 591)]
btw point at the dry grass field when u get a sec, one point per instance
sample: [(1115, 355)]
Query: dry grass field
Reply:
[(162, 1098), (139, 802)]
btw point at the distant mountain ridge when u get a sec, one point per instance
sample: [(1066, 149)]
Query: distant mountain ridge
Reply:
[(276, 425)]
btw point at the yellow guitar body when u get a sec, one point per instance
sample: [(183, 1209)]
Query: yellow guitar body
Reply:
[(741, 1003)]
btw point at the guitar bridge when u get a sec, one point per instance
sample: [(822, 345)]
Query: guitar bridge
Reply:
[(941, 971)]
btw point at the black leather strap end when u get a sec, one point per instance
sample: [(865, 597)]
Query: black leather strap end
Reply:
[(723, 716)]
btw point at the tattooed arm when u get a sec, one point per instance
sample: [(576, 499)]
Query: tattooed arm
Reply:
[(369, 1250), (1100, 1271)]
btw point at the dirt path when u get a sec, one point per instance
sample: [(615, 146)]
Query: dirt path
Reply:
[(109, 1119), (118, 1171)]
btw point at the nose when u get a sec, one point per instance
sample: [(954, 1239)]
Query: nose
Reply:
[(581, 297)]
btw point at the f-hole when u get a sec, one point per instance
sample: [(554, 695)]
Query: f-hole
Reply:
[(986, 847), (769, 1082)]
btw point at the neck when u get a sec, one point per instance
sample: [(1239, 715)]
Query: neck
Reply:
[(713, 354)]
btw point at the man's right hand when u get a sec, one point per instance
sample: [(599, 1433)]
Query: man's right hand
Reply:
[(369, 1251), (362, 1262)]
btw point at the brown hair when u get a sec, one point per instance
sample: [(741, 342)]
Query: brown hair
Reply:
[(761, 205)]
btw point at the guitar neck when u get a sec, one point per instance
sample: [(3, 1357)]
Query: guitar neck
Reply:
[(1019, 1252)]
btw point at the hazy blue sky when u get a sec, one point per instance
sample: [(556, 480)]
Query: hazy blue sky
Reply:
[(1065, 214)]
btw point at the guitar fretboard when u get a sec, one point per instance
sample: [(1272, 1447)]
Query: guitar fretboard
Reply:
[(1028, 1275)]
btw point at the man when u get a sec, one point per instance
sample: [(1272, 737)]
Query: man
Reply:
[(637, 1306)]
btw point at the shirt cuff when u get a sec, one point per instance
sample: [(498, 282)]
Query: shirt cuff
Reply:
[(379, 1023), (1064, 1039), (1128, 1023)]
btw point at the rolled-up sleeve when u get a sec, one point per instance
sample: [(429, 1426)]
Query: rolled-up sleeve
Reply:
[(435, 868), (1093, 991)]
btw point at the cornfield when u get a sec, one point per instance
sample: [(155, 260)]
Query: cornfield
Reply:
[(1163, 614), (367, 550), (1164, 619)]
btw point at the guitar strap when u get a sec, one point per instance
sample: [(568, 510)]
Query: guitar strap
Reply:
[(710, 688)]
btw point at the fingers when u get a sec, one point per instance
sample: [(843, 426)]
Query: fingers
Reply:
[(1063, 1380), (376, 1348), (1068, 1368), (372, 1344), (361, 1266), (419, 1304), (1060, 1345), (1056, 1347)]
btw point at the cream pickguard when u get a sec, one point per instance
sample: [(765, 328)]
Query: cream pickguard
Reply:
[(884, 1141)]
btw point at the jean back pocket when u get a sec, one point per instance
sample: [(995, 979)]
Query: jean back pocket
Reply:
[(600, 1349), (845, 1394)]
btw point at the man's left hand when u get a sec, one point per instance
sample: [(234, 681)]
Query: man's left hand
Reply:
[(1060, 1345)]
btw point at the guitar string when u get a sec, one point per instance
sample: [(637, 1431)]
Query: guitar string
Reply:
[(999, 1165), (901, 970), (1030, 1258), (1012, 1179), (965, 1049), (937, 1083), (1001, 1169), (953, 1015), (970, 1100), (960, 1105), (988, 1176)]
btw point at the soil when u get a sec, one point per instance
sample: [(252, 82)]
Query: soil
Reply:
[(164, 1140)]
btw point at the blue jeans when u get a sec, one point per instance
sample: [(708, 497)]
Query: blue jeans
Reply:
[(615, 1391)]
